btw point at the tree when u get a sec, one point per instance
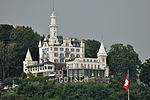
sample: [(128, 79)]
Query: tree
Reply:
[(145, 72), (14, 43), (5, 32), (2, 60), (23, 75), (121, 58), (30, 75), (91, 48)]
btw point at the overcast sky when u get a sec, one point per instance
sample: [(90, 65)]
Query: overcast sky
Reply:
[(113, 21)]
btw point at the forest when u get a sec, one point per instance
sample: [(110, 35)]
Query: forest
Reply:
[(14, 42)]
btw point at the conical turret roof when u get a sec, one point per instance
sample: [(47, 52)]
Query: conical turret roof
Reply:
[(40, 43), (28, 56), (102, 51)]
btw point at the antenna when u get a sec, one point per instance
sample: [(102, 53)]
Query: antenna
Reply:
[(53, 5), (102, 38)]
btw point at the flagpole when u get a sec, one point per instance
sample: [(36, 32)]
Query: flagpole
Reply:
[(128, 88)]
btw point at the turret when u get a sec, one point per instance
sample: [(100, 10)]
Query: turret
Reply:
[(102, 54), (102, 59), (45, 42), (82, 45), (39, 44), (28, 62)]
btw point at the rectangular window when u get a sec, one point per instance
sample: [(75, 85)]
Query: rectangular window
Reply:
[(72, 49), (77, 50), (61, 55), (55, 54), (91, 66), (67, 44), (40, 68), (66, 55), (77, 55), (84, 65), (55, 49), (81, 65), (49, 67), (66, 49), (56, 60), (61, 60), (45, 67), (72, 55), (98, 66), (61, 49), (103, 60)]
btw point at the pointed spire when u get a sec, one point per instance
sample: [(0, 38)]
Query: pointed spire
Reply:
[(101, 51), (53, 13), (28, 56), (45, 39), (81, 43), (40, 43)]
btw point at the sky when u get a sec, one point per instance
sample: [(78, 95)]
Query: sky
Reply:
[(113, 21)]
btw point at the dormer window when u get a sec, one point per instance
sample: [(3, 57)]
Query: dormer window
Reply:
[(67, 44)]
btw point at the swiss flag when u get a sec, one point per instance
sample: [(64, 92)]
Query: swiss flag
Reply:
[(126, 83)]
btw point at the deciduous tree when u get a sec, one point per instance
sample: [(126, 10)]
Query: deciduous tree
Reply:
[(121, 58)]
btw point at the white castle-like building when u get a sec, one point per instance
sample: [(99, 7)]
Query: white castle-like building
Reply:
[(57, 52), (68, 52)]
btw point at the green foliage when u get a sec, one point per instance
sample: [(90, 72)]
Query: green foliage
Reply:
[(40, 88), (2, 60), (23, 75), (40, 74), (145, 72), (14, 43), (8, 82), (5, 32), (91, 48), (121, 58), (30, 75)]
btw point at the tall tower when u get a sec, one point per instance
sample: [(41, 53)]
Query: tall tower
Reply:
[(53, 40)]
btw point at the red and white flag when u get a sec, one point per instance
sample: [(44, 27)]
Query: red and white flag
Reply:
[(126, 83)]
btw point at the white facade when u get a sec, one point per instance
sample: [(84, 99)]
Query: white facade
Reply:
[(28, 62), (52, 50), (69, 51), (89, 67)]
